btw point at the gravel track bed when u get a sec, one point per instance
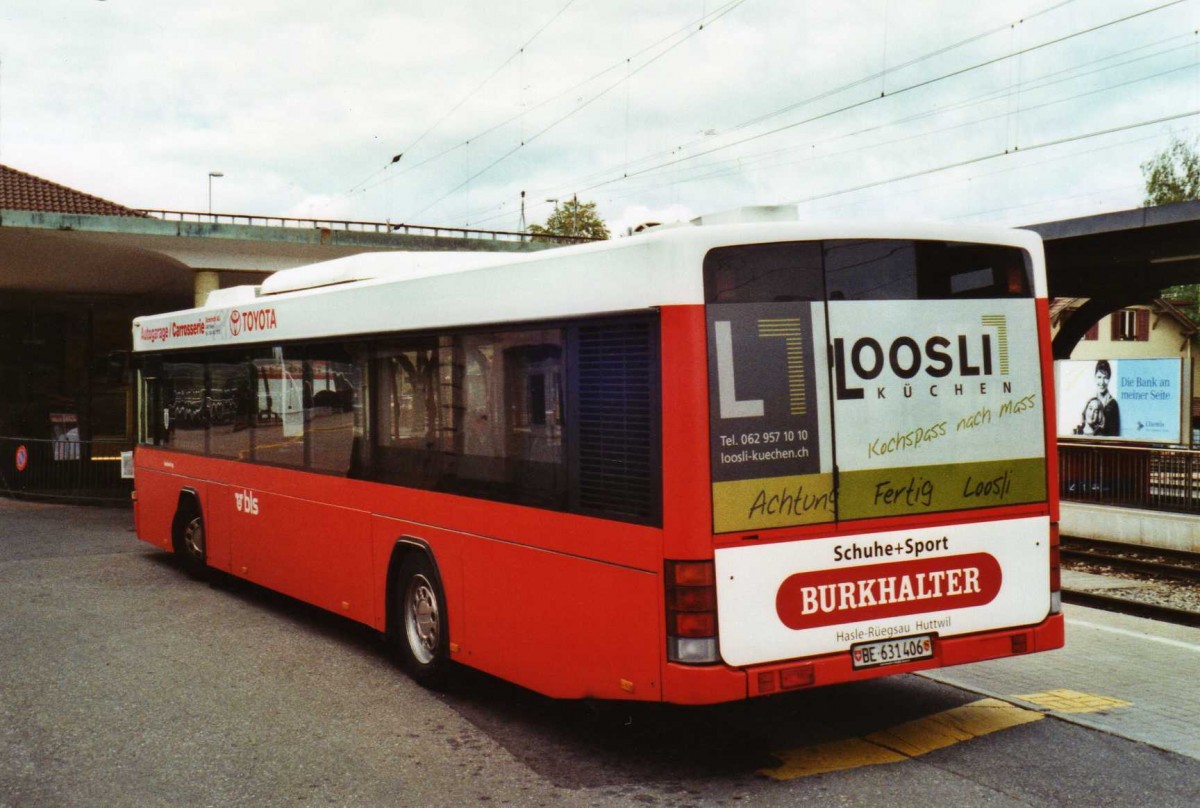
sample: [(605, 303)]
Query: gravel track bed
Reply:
[(1137, 586)]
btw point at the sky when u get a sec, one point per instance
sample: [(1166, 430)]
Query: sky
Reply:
[(443, 113)]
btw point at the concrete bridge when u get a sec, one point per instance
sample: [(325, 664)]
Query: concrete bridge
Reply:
[(173, 254), (1113, 260)]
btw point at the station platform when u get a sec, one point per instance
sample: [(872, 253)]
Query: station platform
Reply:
[(1122, 675)]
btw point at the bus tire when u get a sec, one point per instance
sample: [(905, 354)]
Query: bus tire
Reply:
[(190, 545), (421, 636)]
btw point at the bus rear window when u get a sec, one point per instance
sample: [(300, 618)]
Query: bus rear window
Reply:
[(865, 269)]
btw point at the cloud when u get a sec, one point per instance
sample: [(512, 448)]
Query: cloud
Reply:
[(622, 102)]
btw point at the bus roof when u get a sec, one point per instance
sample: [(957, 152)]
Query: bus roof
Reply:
[(398, 291)]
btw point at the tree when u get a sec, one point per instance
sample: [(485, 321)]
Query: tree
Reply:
[(572, 218), (1173, 175)]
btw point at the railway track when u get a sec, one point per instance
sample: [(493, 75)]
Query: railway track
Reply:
[(1137, 608), (1123, 557), (1143, 568)]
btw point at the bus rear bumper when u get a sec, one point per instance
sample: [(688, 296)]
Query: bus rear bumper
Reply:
[(710, 685)]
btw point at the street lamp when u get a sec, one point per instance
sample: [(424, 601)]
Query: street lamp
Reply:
[(574, 210), (211, 174), (553, 202)]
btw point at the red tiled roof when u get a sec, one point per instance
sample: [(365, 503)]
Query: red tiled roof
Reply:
[(21, 191)]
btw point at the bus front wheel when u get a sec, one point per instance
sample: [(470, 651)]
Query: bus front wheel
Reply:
[(421, 635), (189, 540)]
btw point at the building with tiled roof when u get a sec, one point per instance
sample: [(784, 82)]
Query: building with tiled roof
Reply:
[(21, 191)]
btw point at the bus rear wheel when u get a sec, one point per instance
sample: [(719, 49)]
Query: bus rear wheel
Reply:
[(421, 637)]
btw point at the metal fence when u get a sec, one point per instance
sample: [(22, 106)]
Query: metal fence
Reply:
[(66, 470), (1130, 476)]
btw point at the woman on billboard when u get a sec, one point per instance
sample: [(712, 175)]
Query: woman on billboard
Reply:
[(1101, 414)]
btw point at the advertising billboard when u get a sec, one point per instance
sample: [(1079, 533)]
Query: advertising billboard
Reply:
[(1126, 399)]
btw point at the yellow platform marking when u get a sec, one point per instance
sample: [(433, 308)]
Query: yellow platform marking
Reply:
[(909, 740), (1072, 701)]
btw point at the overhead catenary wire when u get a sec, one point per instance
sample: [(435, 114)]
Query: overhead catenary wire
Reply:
[(864, 80), (628, 172), (1007, 169), (715, 171), (689, 30), (906, 89), (1036, 83), (471, 94), (729, 7), (993, 155), (694, 160)]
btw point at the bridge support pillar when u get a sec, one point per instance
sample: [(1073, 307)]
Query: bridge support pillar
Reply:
[(205, 281)]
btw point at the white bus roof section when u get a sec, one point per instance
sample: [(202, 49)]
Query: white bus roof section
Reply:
[(395, 265), (387, 292), (232, 296)]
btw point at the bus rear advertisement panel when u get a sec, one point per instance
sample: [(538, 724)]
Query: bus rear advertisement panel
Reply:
[(798, 599), (935, 407)]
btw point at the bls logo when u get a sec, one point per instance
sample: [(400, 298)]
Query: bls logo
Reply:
[(247, 503)]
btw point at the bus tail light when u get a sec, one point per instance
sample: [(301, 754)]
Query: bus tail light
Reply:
[(1055, 572), (691, 591), (1017, 280)]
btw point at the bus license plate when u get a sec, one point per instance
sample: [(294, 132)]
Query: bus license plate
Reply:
[(890, 652)]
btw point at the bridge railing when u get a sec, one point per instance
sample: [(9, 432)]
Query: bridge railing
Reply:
[(66, 470), (355, 226), (1130, 476)]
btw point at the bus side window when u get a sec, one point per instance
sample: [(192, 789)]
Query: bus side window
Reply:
[(509, 425), (231, 407), (152, 415), (407, 413), (279, 414), (185, 403), (333, 410)]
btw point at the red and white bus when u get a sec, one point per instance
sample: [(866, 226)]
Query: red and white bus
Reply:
[(707, 463)]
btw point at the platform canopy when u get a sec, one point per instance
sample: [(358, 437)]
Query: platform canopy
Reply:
[(1113, 260)]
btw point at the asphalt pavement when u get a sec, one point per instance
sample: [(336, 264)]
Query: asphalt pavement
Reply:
[(1148, 666), (125, 682)]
